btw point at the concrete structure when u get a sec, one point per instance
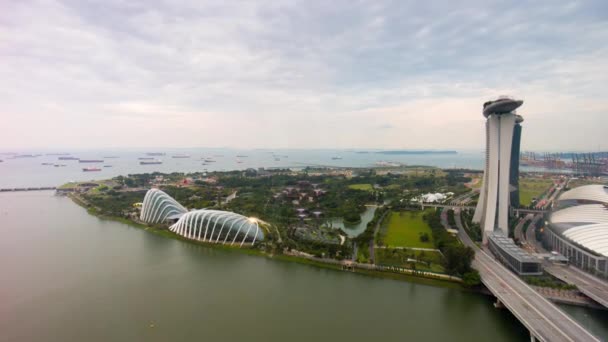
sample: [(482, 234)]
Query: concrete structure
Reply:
[(512, 256), (544, 320), (514, 169), (158, 207), (578, 229), (492, 210), (218, 227)]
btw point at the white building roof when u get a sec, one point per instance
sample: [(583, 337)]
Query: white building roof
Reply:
[(585, 225), (587, 213), (594, 192), (591, 236)]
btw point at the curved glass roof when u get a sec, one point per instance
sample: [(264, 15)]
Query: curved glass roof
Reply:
[(218, 226), (158, 206)]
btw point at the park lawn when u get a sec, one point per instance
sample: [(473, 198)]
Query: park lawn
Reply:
[(532, 188), (399, 257), (364, 187), (404, 230)]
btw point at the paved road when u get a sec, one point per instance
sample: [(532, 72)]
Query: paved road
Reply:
[(524, 211), (518, 232), (544, 320), (594, 288)]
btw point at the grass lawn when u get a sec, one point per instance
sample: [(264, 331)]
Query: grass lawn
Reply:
[(532, 188), (404, 230), (399, 257), (364, 187)]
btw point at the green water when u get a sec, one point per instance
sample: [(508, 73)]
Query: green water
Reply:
[(68, 276)]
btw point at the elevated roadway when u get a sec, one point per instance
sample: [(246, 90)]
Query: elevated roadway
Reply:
[(591, 286), (517, 211), (544, 320)]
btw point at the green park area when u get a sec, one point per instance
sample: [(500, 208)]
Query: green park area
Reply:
[(364, 187), (532, 188), (408, 258), (407, 229)]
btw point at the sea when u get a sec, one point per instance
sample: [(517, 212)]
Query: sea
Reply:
[(37, 168)]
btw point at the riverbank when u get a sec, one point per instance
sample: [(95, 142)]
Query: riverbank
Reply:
[(425, 278)]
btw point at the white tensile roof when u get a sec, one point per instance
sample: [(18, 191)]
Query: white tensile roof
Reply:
[(585, 225), (594, 192)]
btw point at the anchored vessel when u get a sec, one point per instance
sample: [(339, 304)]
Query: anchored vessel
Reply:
[(150, 162)]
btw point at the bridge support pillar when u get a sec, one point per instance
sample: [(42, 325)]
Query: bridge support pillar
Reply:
[(498, 304)]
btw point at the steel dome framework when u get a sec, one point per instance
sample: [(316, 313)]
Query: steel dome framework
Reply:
[(158, 206), (204, 224), (218, 227)]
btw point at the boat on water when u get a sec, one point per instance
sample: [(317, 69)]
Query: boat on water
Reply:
[(241, 156), (107, 166), (111, 157), (180, 156), (47, 164), (68, 158), (209, 161), (336, 158), (145, 158), (90, 169), (150, 162), (59, 165), (155, 153), (90, 160)]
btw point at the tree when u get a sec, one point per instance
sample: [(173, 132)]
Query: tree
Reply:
[(471, 278)]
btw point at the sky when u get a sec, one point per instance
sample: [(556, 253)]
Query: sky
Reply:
[(299, 74)]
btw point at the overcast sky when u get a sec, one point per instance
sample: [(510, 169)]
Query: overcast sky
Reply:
[(299, 74)]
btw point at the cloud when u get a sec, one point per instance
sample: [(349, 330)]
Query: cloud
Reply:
[(293, 74)]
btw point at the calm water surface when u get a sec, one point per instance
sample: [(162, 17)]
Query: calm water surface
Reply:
[(68, 276)]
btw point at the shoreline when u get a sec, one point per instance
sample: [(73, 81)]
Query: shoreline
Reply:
[(417, 278)]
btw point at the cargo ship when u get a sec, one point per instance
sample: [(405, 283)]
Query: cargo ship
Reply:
[(89, 169), (150, 162), (90, 160)]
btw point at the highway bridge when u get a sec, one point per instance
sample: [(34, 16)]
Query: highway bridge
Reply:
[(544, 320), (517, 211), (28, 189)]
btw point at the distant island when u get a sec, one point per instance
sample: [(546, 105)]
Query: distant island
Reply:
[(397, 152)]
